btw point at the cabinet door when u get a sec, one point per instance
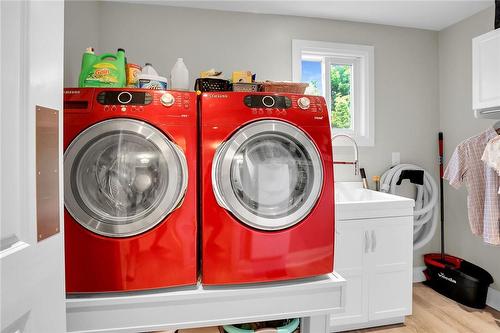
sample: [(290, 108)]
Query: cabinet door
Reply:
[(390, 261), (351, 245), (486, 71)]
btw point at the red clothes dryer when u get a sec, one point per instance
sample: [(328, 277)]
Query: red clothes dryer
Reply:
[(266, 187), (130, 189)]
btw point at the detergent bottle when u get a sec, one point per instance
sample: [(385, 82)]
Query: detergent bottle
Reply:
[(149, 79), (105, 70)]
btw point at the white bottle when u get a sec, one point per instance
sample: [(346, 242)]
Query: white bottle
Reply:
[(149, 79), (179, 76), (148, 69)]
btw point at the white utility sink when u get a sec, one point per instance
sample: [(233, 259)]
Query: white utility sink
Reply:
[(374, 251), (352, 201)]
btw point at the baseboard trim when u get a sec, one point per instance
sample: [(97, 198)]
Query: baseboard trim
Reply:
[(418, 274), (493, 299)]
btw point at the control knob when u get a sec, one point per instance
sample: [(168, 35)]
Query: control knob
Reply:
[(167, 99), (124, 97), (304, 103)]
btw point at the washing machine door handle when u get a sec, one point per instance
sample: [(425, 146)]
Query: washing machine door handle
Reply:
[(215, 171), (184, 167)]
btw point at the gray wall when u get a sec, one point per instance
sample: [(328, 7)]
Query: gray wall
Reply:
[(458, 123), (81, 30), (406, 63)]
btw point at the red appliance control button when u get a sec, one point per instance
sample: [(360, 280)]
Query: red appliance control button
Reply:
[(167, 99), (106, 108), (113, 108), (304, 103)]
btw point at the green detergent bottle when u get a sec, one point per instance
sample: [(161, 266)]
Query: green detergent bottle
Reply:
[(105, 70)]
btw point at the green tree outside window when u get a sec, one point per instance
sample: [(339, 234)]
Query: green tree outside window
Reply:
[(340, 82)]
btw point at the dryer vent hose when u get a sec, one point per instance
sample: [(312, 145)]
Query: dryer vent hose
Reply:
[(426, 209)]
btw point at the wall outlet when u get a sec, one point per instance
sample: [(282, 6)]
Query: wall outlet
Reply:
[(396, 158)]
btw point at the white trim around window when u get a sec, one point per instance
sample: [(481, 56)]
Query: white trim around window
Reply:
[(361, 58)]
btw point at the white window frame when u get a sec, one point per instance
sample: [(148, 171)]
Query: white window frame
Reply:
[(361, 57)]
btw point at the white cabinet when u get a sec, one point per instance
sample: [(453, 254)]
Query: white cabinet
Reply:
[(350, 256), (375, 256), (486, 73)]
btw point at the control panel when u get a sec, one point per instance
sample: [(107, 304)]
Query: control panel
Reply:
[(267, 101), (279, 105), (114, 97), (132, 100)]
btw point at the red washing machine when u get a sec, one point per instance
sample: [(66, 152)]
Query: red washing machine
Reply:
[(266, 187), (130, 189)]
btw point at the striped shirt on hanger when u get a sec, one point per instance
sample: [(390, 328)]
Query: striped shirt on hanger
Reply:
[(483, 201)]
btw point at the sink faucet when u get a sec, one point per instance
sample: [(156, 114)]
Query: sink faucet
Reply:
[(355, 145)]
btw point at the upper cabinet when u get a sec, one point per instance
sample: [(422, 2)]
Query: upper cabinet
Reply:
[(486, 74)]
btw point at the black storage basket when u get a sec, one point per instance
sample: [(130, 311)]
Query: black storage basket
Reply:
[(458, 279), (209, 84)]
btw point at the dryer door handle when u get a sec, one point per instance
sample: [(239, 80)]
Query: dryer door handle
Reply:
[(215, 184)]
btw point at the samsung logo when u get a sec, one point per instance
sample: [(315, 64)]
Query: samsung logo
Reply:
[(444, 277), (217, 96)]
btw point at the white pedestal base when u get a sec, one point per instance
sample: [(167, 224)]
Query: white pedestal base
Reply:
[(200, 306)]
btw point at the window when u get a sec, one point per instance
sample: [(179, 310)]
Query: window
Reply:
[(343, 74)]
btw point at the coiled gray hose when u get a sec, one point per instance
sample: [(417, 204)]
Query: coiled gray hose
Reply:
[(426, 198)]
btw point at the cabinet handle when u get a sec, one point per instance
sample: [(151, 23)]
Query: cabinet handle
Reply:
[(374, 240), (367, 241)]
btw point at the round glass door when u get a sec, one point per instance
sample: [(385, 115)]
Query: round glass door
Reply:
[(268, 174), (123, 177)]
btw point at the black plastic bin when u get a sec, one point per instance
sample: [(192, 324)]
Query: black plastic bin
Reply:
[(457, 279)]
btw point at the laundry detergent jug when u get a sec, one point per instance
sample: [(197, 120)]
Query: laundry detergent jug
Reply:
[(105, 70), (149, 79)]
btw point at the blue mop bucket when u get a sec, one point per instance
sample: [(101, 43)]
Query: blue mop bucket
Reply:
[(290, 327)]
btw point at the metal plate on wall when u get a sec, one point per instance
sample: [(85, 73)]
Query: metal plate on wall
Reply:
[(47, 172)]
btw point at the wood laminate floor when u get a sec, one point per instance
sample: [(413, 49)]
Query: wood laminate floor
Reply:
[(433, 313)]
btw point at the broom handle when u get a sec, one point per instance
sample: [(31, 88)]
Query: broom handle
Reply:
[(441, 190)]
